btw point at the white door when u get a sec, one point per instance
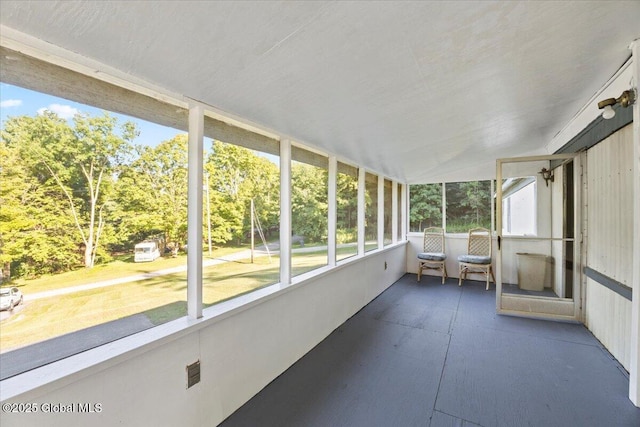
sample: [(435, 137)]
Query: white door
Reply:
[(538, 263)]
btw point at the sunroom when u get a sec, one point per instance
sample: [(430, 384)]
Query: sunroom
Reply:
[(307, 146)]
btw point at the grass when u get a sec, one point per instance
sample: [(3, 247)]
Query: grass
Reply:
[(113, 270), (159, 299), (122, 267)]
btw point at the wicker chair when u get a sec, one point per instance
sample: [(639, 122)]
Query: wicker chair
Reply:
[(478, 258), (433, 256)]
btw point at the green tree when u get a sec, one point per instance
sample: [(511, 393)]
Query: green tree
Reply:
[(309, 207), (468, 205), (263, 187), (425, 201), (152, 193), (347, 207), (35, 233), (80, 162), (477, 201), (236, 176)]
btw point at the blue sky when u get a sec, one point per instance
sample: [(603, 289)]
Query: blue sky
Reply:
[(16, 101)]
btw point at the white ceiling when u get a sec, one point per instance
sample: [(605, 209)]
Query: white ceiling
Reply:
[(414, 90)]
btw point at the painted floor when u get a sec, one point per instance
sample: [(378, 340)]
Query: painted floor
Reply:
[(426, 354)]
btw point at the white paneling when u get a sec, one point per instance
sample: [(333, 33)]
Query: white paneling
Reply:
[(610, 240), (610, 209), (149, 389), (609, 319), (239, 355), (634, 369)]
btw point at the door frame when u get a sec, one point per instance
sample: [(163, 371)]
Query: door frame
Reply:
[(537, 306)]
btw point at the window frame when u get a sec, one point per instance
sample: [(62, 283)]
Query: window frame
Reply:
[(443, 206), (81, 84)]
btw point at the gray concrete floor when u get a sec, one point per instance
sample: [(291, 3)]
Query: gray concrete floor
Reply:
[(426, 354)]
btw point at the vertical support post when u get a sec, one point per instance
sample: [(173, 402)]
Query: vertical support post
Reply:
[(583, 231), (394, 212), (285, 212), (492, 190), (444, 207), (634, 371), (194, 211), (332, 212), (253, 232), (404, 220), (498, 208), (380, 211), (361, 210)]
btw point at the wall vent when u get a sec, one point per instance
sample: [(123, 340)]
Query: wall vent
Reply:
[(193, 374)]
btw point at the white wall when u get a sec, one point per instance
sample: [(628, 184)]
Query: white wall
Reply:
[(240, 353), (610, 239)]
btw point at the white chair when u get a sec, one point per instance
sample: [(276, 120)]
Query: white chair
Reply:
[(433, 255), (478, 257)]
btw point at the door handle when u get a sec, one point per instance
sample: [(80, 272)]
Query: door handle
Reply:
[(499, 241)]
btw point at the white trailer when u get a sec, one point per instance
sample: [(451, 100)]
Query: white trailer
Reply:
[(146, 251)]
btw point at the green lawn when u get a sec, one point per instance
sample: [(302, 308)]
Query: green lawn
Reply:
[(120, 268), (160, 299)]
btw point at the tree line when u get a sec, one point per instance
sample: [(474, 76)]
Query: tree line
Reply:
[(76, 193), (468, 206)]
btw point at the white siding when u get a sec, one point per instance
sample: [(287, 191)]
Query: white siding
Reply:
[(609, 319), (610, 239)]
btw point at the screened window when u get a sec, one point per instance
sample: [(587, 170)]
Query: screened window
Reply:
[(241, 220), (347, 211), (388, 203), (309, 210), (399, 213), (371, 212), (468, 205), (94, 223), (425, 201), (94, 220), (99, 198)]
